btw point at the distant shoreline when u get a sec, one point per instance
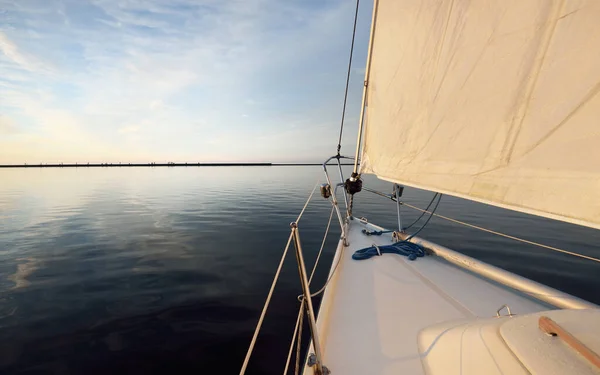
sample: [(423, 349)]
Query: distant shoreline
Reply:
[(117, 165)]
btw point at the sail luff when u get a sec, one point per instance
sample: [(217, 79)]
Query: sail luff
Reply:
[(493, 101), (365, 85)]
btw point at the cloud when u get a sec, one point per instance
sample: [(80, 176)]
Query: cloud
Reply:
[(182, 69), (11, 51)]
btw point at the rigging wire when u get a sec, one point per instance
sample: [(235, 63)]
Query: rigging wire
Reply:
[(426, 210), (265, 307), (422, 213), (307, 201), (380, 232), (275, 279), (428, 219), (322, 245), (339, 146), (329, 278), (404, 247), (504, 235), (299, 318)]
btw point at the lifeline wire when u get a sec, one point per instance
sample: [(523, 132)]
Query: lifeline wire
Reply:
[(506, 235), (299, 318), (275, 279)]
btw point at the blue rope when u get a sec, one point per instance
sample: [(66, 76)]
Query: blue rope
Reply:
[(409, 249), (406, 248)]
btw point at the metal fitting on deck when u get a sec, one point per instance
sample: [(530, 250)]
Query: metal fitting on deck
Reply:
[(312, 361), (398, 190)]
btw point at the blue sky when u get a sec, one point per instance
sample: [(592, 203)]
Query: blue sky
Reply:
[(180, 80)]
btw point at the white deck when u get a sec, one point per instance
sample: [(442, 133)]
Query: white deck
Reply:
[(373, 310)]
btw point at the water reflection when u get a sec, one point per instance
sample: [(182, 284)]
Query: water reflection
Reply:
[(166, 269), (25, 267)]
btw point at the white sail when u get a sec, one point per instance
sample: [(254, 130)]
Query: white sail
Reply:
[(495, 101)]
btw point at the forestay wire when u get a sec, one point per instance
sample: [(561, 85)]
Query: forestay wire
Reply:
[(339, 146)]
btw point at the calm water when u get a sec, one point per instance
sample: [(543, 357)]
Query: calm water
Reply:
[(164, 270)]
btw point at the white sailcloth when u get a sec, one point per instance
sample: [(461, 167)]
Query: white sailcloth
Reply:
[(492, 100)]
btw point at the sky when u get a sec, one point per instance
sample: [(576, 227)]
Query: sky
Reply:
[(177, 80)]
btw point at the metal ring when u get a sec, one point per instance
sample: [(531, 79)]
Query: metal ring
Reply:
[(510, 314)]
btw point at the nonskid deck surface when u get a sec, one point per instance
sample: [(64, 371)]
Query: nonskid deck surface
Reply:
[(373, 309)]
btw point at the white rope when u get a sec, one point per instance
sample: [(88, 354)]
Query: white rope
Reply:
[(300, 311), (275, 278), (505, 235), (330, 277), (322, 245)]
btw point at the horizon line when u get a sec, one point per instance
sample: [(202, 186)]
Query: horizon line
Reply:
[(167, 164)]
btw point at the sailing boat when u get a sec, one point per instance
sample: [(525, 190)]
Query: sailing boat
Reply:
[(493, 101)]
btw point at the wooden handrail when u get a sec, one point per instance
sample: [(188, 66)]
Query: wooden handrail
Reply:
[(549, 326)]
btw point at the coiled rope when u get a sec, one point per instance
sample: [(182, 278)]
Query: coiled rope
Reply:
[(409, 249), (406, 248), (275, 278)]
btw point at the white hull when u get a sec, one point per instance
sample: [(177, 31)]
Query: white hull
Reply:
[(375, 312)]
